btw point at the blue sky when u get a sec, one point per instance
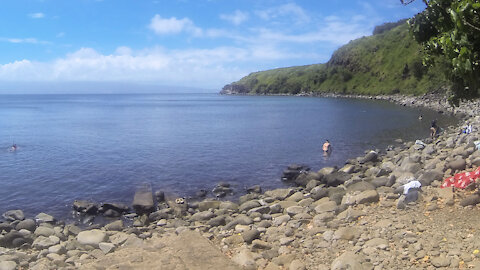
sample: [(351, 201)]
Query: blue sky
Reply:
[(191, 43)]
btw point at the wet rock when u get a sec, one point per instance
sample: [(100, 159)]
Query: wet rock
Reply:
[(27, 224), (255, 189), (44, 218), (13, 215), (85, 207), (119, 208), (143, 200), (159, 196), (371, 156), (279, 194)]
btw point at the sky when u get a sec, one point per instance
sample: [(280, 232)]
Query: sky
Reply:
[(203, 44)]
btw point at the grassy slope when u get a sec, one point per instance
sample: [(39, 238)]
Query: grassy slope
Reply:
[(369, 65)]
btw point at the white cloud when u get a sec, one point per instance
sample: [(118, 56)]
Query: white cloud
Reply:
[(23, 40), (291, 10), (165, 26), (37, 15), (236, 18)]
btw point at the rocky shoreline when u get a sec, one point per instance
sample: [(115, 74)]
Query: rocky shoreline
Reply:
[(355, 217)]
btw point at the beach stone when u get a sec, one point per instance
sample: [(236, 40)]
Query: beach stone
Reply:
[(13, 215), (143, 200), (91, 237), (429, 176), (245, 259), (262, 210), (328, 206), (318, 192), (87, 207), (294, 210), (255, 189), (240, 219), (43, 242), (115, 226), (8, 265), (470, 200), (280, 220), (369, 157), (360, 186), (205, 205), (259, 244), (44, 231), (250, 235), (202, 216), (57, 249), (160, 214), (228, 206), (351, 214), (248, 197), (280, 194), (337, 178), (249, 205), (44, 218), (320, 219), (457, 165), (368, 196), (295, 197), (380, 182), (106, 247), (297, 265), (347, 260), (27, 224), (217, 221), (376, 242), (441, 261), (345, 233)]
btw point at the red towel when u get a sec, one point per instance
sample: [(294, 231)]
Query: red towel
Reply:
[(462, 180)]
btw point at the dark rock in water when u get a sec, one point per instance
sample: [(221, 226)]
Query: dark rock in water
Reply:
[(27, 224), (223, 184), (371, 156), (470, 200), (293, 171), (159, 196), (254, 189), (221, 191), (116, 207), (337, 178), (111, 213), (13, 215), (85, 207), (143, 200), (201, 193), (88, 219)]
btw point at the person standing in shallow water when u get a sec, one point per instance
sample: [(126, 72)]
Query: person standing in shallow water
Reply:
[(433, 129), (326, 147)]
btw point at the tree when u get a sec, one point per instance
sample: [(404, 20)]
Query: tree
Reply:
[(451, 29)]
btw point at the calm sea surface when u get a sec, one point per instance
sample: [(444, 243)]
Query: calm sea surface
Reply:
[(101, 147)]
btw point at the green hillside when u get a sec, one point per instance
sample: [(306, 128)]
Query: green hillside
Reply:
[(388, 62)]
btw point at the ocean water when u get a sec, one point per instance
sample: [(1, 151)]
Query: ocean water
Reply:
[(102, 147)]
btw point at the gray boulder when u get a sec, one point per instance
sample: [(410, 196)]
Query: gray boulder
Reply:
[(27, 224), (143, 200), (457, 165), (13, 215), (91, 237), (347, 260)]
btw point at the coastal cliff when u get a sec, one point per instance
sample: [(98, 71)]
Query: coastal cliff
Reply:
[(388, 62)]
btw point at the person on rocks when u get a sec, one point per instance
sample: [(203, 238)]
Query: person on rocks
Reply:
[(327, 148), (434, 129)]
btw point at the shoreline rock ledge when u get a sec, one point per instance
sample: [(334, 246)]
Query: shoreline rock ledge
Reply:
[(354, 217)]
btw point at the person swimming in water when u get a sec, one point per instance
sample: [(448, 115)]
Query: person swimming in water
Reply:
[(326, 147), (13, 148)]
